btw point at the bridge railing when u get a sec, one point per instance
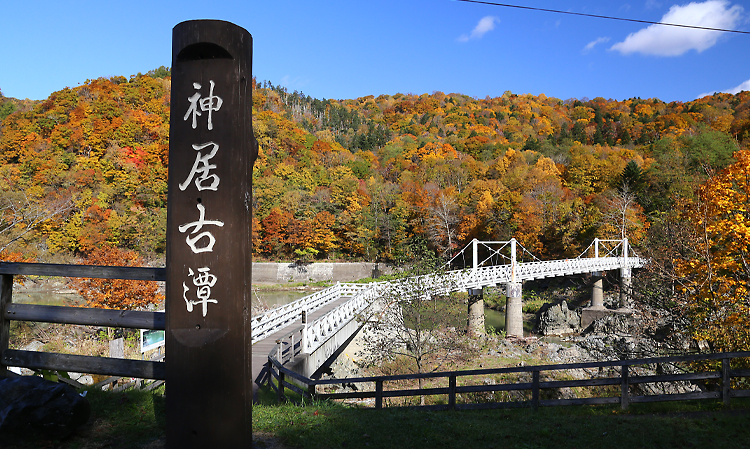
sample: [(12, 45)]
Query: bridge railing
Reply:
[(500, 274), (552, 268), (533, 385), (76, 315), (478, 277), (319, 331), (269, 322), (323, 328)]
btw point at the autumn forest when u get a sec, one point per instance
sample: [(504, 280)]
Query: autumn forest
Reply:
[(364, 179), (359, 179)]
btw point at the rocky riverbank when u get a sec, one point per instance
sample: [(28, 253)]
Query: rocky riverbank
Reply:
[(641, 333)]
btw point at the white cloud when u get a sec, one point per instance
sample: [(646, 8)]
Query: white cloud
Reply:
[(734, 90), (660, 40), (485, 25), (740, 88), (590, 46), (292, 83)]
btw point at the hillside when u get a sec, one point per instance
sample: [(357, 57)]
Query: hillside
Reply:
[(364, 178)]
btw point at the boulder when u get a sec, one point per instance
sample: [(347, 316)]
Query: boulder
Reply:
[(557, 319), (615, 322), (30, 405)]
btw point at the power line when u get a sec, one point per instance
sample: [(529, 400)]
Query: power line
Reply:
[(603, 17)]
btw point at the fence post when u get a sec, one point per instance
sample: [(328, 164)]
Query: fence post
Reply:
[(726, 381), (311, 390), (452, 391), (291, 357), (303, 339), (379, 394), (535, 390), (281, 396), (6, 297), (624, 391)]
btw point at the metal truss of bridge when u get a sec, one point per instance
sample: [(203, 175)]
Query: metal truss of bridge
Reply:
[(328, 317)]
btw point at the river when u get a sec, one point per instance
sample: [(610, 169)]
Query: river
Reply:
[(495, 320), (275, 298)]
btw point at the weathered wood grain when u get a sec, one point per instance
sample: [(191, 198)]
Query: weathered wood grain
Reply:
[(132, 319), (84, 364), (84, 271), (6, 299)]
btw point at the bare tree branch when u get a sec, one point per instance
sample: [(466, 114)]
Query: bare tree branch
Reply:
[(21, 215)]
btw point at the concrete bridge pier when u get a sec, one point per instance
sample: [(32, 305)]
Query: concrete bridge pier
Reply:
[(475, 320), (596, 310), (626, 281), (597, 291), (626, 288), (513, 310)]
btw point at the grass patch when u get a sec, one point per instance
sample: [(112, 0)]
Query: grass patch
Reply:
[(383, 277), (533, 303), (136, 419), (327, 424)]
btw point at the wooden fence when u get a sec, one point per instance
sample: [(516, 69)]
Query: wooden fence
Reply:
[(140, 369), (543, 379)]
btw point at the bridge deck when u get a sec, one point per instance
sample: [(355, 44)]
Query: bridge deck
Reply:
[(263, 347)]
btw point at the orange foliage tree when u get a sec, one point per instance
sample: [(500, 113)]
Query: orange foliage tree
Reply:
[(116, 293)]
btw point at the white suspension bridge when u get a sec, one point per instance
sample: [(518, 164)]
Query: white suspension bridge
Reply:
[(326, 320)]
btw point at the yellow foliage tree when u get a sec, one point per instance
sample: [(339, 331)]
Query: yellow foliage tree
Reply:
[(323, 238), (717, 276)]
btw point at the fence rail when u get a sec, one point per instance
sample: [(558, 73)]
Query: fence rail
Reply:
[(76, 315), (84, 271), (534, 389)]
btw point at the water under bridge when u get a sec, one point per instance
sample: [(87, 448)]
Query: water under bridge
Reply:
[(316, 327)]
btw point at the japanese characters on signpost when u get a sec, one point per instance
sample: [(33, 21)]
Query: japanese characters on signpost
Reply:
[(211, 155)]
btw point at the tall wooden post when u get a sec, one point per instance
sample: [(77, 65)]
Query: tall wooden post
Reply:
[(6, 298), (211, 155)]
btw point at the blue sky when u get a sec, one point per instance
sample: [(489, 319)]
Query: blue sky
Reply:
[(347, 49)]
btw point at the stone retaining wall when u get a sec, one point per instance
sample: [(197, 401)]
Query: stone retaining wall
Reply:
[(276, 273)]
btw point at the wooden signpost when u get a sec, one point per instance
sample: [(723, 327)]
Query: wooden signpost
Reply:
[(211, 155)]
